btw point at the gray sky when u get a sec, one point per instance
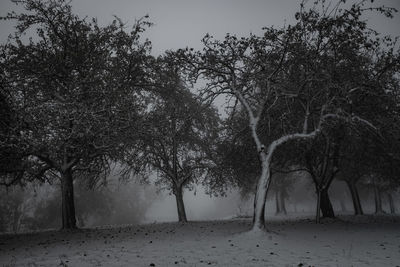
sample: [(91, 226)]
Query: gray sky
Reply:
[(181, 23)]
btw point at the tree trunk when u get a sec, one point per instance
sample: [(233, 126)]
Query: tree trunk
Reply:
[(282, 202), (265, 177), (326, 205), (261, 194), (378, 201), (277, 204), (254, 205), (67, 205), (391, 203), (318, 212), (16, 219), (355, 198), (180, 205), (80, 220)]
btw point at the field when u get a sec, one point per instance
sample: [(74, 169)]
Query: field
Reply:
[(346, 241)]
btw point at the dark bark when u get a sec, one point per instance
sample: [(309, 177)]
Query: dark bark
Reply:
[(254, 206), (16, 219), (178, 191), (391, 204), (326, 205), (326, 173), (280, 202), (180, 205), (378, 200), (318, 215), (355, 198), (67, 205), (277, 206)]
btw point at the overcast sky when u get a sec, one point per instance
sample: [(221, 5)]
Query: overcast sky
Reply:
[(181, 23)]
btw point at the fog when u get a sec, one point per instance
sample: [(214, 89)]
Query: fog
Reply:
[(199, 206), (192, 133), (37, 206)]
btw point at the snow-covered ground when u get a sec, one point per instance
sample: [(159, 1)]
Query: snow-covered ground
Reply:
[(347, 241)]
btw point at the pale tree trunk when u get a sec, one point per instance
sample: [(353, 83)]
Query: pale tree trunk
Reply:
[(180, 204), (265, 177), (67, 204), (261, 195), (378, 200), (355, 198), (265, 157), (391, 203)]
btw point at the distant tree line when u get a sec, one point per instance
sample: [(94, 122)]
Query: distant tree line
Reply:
[(320, 97)]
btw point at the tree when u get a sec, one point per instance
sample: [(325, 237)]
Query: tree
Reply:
[(310, 64), (70, 87), (179, 133), (236, 163), (322, 164), (282, 186), (358, 159), (352, 172)]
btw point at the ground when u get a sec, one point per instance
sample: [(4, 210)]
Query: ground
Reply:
[(346, 241)]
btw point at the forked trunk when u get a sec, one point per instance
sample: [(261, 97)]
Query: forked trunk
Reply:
[(67, 205), (180, 205), (326, 205), (265, 177), (355, 198)]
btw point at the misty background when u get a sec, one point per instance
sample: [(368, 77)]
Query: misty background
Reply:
[(176, 24), (36, 206)]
